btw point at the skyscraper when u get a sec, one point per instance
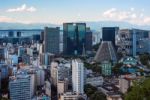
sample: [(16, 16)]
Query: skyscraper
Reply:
[(78, 76), (109, 34), (88, 40), (74, 38), (51, 40), (133, 41)]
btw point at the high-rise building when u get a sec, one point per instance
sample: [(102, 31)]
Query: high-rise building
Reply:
[(88, 40), (21, 51), (54, 73), (78, 76), (51, 40), (109, 34), (74, 38), (36, 37), (133, 41), (20, 87), (10, 34), (18, 34)]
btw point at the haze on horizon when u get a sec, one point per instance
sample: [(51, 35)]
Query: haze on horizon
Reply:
[(59, 11)]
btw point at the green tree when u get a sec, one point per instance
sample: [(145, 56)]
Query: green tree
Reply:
[(98, 96), (139, 91), (93, 93), (145, 58), (89, 89), (116, 68)]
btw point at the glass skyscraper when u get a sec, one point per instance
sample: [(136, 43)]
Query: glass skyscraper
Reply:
[(74, 35), (109, 34)]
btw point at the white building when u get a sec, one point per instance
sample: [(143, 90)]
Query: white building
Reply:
[(40, 75), (54, 71), (78, 76)]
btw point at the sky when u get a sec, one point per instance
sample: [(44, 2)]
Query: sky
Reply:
[(59, 11)]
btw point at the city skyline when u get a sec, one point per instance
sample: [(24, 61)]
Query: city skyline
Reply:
[(59, 11)]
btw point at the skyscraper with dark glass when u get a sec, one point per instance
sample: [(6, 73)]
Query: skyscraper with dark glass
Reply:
[(109, 34), (74, 38), (51, 40)]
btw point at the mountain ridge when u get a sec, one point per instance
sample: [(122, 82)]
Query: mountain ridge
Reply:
[(95, 25)]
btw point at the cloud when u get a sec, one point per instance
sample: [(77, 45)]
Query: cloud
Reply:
[(22, 8), (6, 19), (131, 16), (13, 20)]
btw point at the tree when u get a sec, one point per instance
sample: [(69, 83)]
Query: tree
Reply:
[(116, 68), (89, 89), (94, 67), (93, 93), (145, 59), (98, 96), (139, 91)]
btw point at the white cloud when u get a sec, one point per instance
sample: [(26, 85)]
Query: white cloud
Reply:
[(6, 19), (132, 9), (22, 8), (131, 16)]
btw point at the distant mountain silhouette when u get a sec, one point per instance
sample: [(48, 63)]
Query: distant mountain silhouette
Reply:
[(95, 25)]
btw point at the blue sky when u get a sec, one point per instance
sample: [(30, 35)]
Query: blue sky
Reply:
[(59, 11)]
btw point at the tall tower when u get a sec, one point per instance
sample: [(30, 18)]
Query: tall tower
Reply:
[(109, 34), (78, 76), (51, 40), (74, 38)]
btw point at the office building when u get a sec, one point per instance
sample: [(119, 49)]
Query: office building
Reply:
[(51, 40), (133, 41), (36, 38), (88, 40), (78, 76), (21, 87), (11, 34), (46, 58), (74, 38), (54, 73), (18, 34), (109, 34), (106, 52), (4, 70), (40, 77), (21, 51)]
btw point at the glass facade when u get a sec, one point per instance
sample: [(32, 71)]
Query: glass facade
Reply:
[(74, 38), (109, 34)]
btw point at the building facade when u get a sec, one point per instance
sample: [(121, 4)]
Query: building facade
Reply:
[(74, 38), (51, 40), (133, 41), (20, 87), (78, 76), (109, 34)]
